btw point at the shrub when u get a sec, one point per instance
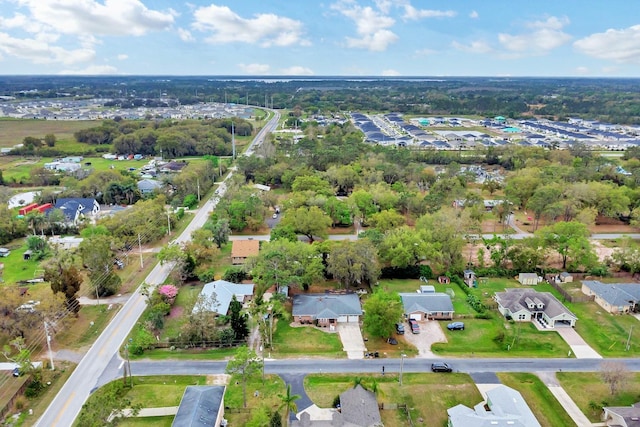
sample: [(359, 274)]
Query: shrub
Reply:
[(426, 272), (234, 274), (190, 201), (206, 275), (336, 402), (168, 293), (180, 214), (476, 304)]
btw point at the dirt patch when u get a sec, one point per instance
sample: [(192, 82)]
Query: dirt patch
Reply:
[(430, 333)]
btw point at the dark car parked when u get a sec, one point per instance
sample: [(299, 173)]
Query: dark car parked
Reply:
[(415, 328), (399, 328), (440, 367), (456, 326)]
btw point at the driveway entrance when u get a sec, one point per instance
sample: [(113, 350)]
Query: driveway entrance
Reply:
[(430, 332), (579, 347), (352, 341)]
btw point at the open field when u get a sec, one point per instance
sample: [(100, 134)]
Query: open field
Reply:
[(13, 131), (590, 392), (299, 341), (428, 396), (91, 320), (543, 404)]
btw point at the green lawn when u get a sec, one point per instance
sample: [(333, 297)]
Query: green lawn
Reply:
[(13, 131), (267, 396), (590, 392), (16, 269), (427, 395), (160, 391), (82, 333), (544, 405), (147, 421), (305, 341)]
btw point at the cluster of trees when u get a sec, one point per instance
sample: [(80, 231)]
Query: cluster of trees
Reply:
[(171, 138)]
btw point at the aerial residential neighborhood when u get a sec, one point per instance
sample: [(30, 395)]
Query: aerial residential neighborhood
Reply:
[(278, 264)]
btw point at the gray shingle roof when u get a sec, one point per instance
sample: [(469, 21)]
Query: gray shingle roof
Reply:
[(616, 294), (359, 407), (514, 300), (224, 292), (436, 302), (199, 406), (326, 306)]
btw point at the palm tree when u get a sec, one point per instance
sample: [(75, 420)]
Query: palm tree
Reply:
[(288, 402)]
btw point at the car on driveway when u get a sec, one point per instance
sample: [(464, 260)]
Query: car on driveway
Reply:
[(399, 328), (456, 326), (415, 328), (441, 367)]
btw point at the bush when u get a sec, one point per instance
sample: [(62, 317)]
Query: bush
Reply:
[(190, 201), (180, 214), (234, 274), (426, 272), (476, 304), (410, 272), (336, 402), (206, 275)]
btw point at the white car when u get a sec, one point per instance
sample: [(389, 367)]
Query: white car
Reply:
[(275, 216)]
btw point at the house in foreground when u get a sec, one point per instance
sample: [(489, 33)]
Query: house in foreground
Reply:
[(622, 416), (223, 292), (326, 309), (615, 298), (528, 305), (358, 408), (504, 407), (201, 406), (427, 305)]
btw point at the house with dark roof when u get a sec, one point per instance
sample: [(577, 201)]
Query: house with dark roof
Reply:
[(223, 292), (358, 408), (326, 309), (528, 305), (173, 167), (504, 407), (615, 298), (427, 305), (149, 186), (201, 406), (243, 249), (76, 208), (622, 416)]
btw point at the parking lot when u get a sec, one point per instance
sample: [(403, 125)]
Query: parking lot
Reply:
[(430, 332)]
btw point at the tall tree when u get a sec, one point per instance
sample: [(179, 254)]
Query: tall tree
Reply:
[(571, 241), (239, 320), (312, 222), (614, 374), (381, 312), (354, 263), (98, 256), (245, 364), (220, 231), (65, 278)]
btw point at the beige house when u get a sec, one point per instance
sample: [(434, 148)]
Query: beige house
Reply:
[(615, 298), (528, 278), (243, 249), (528, 305)]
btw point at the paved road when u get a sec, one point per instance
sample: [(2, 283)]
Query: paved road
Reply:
[(67, 404)]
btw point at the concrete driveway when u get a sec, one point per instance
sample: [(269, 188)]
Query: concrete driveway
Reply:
[(352, 341), (430, 332), (579, 347)]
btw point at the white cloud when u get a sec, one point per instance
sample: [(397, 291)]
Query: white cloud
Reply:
[(39, 50), (390, 73), (255, 68), (297, 70), (92, 70), (582, 70), (473, 14), (185, 35), (476, 46), (615, 45), (122, 57), (411, 13), (371, 25), (112, 17), (267, 30), (543, 36), (384, 5)]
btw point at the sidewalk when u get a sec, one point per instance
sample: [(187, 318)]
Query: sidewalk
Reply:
[(550, 380)]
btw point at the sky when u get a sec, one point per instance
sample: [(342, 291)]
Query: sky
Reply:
[(581, 38)]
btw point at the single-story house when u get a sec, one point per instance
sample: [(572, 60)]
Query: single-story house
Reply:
[(528, 278), (149, 186), (504, 407), (201, 406), (243, 249), (622, 416), (427, 306), (528, 305), (358, 408), (326, 309), (615, 298), (224, 292), (75, 208)]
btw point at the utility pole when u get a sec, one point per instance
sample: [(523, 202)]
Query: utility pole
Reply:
[(198, 185), (46, 331), (629, 339), (233, 139), (97, 295), (140, 250), (402, 356), (169, 223)]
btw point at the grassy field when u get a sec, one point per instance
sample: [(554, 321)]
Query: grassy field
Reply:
[(13, 131), (83, 333), (305, 341), (17, 269), (147, 421), (160, 391), (267, 396), (427, 395), (544, 405), (590, 392)]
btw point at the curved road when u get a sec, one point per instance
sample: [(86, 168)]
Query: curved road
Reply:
[(67, 404)]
